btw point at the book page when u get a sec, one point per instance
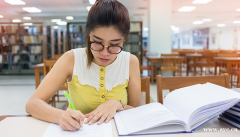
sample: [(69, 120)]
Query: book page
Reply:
[(185, 101), (144, 117), (103, 130)]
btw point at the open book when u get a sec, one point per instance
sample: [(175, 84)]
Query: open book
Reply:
[(183, 110)]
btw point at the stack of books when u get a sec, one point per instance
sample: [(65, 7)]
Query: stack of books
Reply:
[(232, 115)]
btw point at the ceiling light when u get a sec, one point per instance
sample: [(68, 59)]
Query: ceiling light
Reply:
[(198, 22), (238, 9), (89, 7), (31, 9), (27, 18), (62, 23), (207, 20), (236, 22), (16, 20), (187, 9), (201, 1), (174, 28), (55, 27), (15, 2), (27, 24), (92, 1), (145, 29), (69, 18), (56, 20), (1, 16), (221, 25)]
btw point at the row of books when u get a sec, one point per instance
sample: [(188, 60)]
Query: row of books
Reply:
[(9, 39), (232, 115), (24, 58), (14, 28), (24, 39), (32, 39)]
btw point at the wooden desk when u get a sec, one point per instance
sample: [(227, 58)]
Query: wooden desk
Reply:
[(153, 60), (226, 60), (159, 60), (193, 57), (37, 69), (31, 127)]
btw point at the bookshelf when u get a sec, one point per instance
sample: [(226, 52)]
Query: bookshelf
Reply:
[(21, 47), (57, 41), (76, 34)]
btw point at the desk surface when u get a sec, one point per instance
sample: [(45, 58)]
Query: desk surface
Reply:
[(31, 127), (227, 58)]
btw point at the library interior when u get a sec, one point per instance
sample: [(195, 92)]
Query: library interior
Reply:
[(114, 67)]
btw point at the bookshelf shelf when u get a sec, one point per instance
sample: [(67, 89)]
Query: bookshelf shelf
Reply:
[(21, 44), (21, 48)]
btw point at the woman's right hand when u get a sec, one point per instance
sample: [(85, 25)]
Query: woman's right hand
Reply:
[(71, 120)]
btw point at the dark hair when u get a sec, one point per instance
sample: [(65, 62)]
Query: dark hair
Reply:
[(105, 13)]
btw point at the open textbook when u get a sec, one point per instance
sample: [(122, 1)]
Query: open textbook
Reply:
[(183, 110)]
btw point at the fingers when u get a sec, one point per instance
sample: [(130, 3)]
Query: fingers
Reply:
[(74, 123), (71, 120), (93, 118), (103, 118), (108, 118), (78, 116), (70, 127)]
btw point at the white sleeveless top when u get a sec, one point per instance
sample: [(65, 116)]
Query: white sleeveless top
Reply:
[(115, 74)]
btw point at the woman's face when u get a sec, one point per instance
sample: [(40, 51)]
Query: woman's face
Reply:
[(106, 36)]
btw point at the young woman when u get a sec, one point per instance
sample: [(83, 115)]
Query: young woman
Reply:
[(102, 79)]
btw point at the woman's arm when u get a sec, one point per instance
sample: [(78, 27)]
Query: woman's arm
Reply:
[(106, 111), (37, 105)]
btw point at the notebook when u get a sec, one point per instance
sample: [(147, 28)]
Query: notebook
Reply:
[(183, 110)]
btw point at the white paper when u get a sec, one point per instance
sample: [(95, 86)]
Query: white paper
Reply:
[(103, 130), (144, 117)]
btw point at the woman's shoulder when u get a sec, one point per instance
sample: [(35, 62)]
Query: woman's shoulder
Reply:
[(134, 62)]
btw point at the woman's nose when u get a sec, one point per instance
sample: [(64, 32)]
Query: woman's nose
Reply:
[(105, 51)]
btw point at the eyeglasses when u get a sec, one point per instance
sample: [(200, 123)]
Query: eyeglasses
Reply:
[(96, 46)]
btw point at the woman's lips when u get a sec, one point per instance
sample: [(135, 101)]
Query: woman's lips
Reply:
[(104, 60)]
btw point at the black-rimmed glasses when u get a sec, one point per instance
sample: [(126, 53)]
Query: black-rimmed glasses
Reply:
[(113, 49)]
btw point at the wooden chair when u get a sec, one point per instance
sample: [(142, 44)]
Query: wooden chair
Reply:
[(148, 68), (145, 87), (235, 67), (171, 63), (206, 61), (173, 83), (57, 56), (48, 65)]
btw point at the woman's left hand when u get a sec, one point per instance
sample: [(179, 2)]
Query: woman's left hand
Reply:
[(104, 112)]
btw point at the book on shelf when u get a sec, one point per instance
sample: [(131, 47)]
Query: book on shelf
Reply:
[(15, 49), (21, 29), (1, 58), (16, 58), (134, 37), (39, 59), (183, 110), (36, 50), (35, 29), (135, 27), (4, 39), (32, 39), (13, 39)]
